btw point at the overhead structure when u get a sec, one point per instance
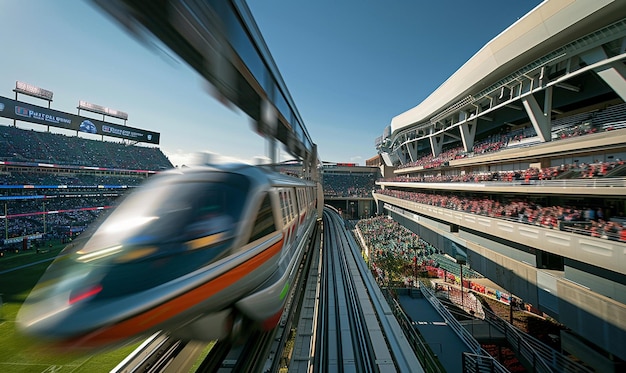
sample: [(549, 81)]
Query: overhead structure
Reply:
[(105, 111), (221, 41), (31, 90), (548, 62)]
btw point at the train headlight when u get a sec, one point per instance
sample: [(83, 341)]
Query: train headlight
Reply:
[(87, 257)]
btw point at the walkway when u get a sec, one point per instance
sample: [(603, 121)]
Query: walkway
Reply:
[(441, 337)]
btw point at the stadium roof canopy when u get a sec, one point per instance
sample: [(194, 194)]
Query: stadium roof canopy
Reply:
[(546, 28)]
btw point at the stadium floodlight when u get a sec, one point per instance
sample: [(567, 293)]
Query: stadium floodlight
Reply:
[(31, 90), (117, 114), (84, 105), (92, 107)]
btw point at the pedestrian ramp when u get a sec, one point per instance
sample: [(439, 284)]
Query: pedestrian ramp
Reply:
[(445, 336)]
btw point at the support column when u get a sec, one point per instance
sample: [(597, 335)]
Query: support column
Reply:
[(547, 105), (412, 149), (267, 126), (468, 134), (403, 151), (271, 149), (539, 119), (436, 144)]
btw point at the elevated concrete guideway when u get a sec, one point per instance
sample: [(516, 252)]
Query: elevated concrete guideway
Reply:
[(221, 41)]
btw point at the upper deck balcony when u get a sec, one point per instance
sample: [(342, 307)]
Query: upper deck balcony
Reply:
[(599, 252)]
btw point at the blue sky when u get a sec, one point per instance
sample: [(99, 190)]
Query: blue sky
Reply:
[(350, 65)]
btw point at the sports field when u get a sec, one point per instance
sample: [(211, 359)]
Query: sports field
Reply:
[(19, 272)]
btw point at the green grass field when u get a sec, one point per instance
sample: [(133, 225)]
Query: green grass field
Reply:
[(17, 353)]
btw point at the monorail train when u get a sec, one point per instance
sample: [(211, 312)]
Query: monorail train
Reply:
[(200, 252)]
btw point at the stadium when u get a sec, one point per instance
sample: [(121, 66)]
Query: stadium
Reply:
[(54, 185), (515, 167)]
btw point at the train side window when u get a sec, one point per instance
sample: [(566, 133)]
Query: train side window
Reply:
[(287, 206), (264, 222), (296, 204), (284, 207), (292, 205)]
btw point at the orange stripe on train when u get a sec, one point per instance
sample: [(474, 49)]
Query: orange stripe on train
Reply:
[(161, 313)]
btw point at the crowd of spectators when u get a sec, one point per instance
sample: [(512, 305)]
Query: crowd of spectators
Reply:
[(583, 171), (64, 224), (55, 203), (22, 145), (428, 160), (59, 214), (62, 212), (586, 220), (577, 130), (354, 184), (387, 238), (577, 125), (489, 144), (68, 178)]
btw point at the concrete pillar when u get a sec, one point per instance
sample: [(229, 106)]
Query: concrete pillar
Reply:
[(540, 120), (436, 143), (468, 134)]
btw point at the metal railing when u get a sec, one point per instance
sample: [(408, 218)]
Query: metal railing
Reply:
[(613, 182), (533, 350), (425, 355), (465, 336), (473, 363)]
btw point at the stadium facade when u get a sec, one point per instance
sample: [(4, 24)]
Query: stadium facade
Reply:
[(515, 166)]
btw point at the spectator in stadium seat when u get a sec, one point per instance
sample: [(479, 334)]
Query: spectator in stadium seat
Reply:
[(622, 234)]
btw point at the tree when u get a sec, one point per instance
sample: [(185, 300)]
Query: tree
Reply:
[(391, 265)]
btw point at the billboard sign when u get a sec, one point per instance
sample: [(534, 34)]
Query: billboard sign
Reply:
[(26, 112)]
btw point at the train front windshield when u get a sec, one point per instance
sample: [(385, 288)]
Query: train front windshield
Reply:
[(172, 209)]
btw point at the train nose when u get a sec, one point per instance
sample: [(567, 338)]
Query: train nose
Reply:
[(52, 311), (41, 316)]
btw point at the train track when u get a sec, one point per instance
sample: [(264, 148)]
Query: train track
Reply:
[(350, 338), (161, 353)]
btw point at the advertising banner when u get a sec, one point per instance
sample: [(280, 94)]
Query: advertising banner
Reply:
[(26, 112)]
